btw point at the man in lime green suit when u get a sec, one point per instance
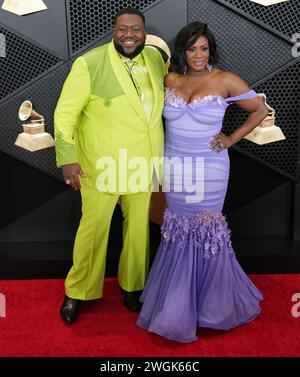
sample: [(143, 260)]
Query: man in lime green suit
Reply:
[(110, 109)]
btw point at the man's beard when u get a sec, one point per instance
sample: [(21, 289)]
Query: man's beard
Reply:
[(134, 53)]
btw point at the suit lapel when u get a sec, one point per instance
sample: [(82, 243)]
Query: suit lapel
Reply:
[(152, 69), (125, 82)]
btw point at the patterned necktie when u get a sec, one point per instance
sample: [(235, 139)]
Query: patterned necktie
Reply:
[(131, 65)]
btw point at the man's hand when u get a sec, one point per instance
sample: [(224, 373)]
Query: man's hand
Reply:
[(71, 173)]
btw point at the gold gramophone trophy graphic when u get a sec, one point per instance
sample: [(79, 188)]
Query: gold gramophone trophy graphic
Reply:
[(267, 3), (23, 7), (33, 138), (267, 131), (160, 45)]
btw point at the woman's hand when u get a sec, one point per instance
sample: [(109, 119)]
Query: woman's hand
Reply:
[(220, 142)]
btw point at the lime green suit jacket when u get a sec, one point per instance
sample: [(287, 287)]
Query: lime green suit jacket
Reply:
[(100, 121)]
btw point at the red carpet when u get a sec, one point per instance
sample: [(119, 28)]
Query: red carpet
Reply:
[(33, 327)]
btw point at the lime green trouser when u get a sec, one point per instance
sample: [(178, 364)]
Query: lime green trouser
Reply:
[(85, 278)]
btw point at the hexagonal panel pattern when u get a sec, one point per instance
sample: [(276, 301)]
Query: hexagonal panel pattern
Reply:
[(281, 92), (283, 17), (23, 62), (254, 53), (44, 95), (90, 19), (244, 47)]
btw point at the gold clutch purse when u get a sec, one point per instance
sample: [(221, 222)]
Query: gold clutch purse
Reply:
[(266, 132)]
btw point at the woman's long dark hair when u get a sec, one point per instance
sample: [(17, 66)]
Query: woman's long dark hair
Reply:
[(186, 38)]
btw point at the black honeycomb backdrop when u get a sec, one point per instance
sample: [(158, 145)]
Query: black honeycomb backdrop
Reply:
[(89, 19), (44, 95), (280, 91), (244, 47), (241, 53), (23, 62), (283, 17)]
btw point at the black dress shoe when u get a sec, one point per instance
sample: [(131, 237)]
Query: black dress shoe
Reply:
[(69, 309), (131, 300), (122, 291)]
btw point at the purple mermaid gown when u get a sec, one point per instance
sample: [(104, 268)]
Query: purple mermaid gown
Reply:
[(195, 280)]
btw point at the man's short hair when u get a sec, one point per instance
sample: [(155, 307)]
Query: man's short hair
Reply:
[(130, 10)]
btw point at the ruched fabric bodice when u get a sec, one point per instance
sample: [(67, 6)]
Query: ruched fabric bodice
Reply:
[(201, 118), (189, 128)]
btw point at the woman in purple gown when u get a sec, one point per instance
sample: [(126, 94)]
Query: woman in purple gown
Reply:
[(195, 280)]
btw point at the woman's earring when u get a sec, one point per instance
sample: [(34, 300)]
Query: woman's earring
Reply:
[(185, 69), (208, 67)]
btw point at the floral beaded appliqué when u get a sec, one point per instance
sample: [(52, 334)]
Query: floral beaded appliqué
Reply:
[(208, 100), (208, 230), (172, 99), (177, 101)]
